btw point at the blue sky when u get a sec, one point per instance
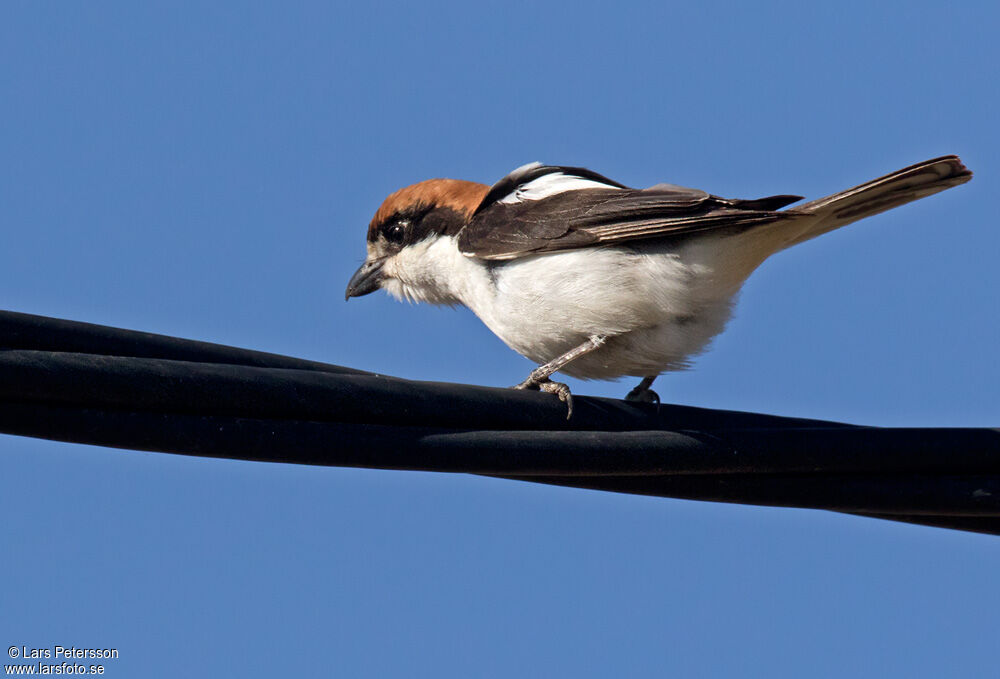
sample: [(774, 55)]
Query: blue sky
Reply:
[(208, 172)]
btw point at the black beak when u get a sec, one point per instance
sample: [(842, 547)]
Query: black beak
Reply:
[(367, 279)]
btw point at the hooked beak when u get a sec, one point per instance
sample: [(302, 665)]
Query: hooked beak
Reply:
[(367, 279)]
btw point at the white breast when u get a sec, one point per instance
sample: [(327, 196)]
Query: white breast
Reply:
[(660, 307)]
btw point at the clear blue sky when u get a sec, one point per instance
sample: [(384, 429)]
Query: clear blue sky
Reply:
[(207, 170)]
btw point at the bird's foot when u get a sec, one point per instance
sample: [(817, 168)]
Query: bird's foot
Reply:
[(560, 390), (642, 393), (550, 387), (638, 395)]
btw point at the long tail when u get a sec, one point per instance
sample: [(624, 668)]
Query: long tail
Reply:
[(879, 195)]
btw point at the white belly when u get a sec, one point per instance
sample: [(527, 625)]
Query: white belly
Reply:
[(659, 308)]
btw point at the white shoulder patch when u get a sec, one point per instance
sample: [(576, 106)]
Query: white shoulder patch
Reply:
[(548, 185)]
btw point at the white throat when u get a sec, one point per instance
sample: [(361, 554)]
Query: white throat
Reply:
[(434, 271)]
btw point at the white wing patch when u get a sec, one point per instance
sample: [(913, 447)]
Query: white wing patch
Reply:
[(548, 185)]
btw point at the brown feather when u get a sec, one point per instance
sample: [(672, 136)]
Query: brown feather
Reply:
[(459, 195)]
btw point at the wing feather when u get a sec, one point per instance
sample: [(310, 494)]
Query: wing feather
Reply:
[(583, 217), (535, 181)]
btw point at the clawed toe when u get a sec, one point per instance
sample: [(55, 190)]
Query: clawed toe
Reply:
[(638, 395), (550, 387), (642, 393), (560, 390)]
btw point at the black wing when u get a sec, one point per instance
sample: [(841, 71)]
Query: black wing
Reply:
[(506, 228)]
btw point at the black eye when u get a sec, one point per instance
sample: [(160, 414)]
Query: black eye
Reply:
[(394, 233)]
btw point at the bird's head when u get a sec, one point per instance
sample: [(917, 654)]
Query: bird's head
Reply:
[(405, 234)]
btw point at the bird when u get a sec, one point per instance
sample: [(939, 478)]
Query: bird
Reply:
[(591, 278)]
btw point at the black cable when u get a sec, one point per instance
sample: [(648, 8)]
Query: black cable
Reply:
[(91, 384)]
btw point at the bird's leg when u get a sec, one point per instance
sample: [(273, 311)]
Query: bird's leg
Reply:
[(543, 372), (539, 377), (643, 393)]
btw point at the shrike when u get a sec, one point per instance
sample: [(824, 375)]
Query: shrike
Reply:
[(592, 278)]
